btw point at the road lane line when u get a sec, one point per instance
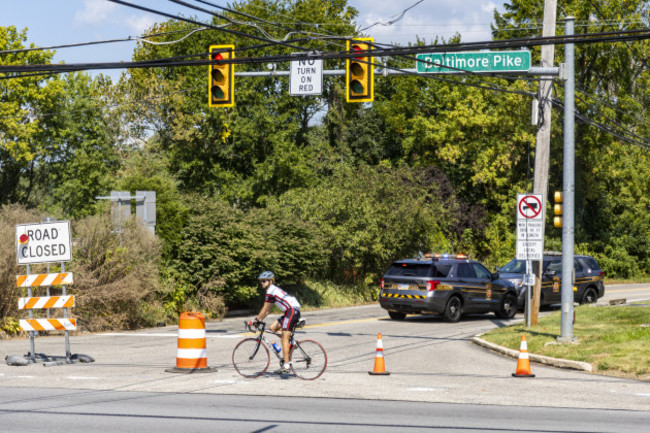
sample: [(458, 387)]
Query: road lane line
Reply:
[(322, 325), (625, 290), (125, 334)]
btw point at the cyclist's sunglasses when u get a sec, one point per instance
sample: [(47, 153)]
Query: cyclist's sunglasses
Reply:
[(264, 281)]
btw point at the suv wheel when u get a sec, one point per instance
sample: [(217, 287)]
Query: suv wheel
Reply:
[(396, 316), (453, 310), (508, 307), (589, 297)]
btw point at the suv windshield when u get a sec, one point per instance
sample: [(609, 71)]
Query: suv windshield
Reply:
[(515, 267)]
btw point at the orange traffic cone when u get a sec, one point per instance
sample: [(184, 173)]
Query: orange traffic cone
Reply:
[(523, 362), (380, 368)]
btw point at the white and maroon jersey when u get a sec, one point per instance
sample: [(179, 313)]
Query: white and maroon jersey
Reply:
[(282, 299)]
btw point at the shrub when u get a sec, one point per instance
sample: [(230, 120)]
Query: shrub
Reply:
[(11, 215), (116, 275), (223, 249), (371, 217)]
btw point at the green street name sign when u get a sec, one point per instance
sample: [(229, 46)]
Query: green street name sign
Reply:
[(477, 61)]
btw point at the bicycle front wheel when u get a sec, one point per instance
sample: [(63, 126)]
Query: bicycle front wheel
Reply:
[(308, 359), (251, 358)]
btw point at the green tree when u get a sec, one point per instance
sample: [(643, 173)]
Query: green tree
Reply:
[(256, 148), (611, 90), (20, 123)]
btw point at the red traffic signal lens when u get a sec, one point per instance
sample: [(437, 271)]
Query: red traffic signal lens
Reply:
[(218, 56), (356, 49)]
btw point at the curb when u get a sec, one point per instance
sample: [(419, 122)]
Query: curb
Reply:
[(546, 360)]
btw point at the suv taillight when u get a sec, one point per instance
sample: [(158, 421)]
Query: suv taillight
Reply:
[(431, 285), (381, 283), (602, 274)]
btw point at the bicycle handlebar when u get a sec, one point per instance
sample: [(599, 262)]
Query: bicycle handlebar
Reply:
[(255, 326)]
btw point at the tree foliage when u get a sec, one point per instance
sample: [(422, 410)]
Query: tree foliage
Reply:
[(314, 187)]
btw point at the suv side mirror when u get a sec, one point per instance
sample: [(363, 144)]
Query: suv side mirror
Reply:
[(497, 269)]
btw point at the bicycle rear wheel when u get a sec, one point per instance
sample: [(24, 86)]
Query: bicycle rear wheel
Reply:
[(308, 359), (251, 357)]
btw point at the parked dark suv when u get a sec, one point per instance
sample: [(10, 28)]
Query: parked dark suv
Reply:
[(446, 285), (588, 287)]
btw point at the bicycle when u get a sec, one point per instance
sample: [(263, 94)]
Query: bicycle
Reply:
[(251, 357)]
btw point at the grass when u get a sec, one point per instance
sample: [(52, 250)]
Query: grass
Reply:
[(614, 340), (636, 280), (320, 295)]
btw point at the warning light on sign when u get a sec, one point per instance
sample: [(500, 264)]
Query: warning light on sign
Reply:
[(23, 239)]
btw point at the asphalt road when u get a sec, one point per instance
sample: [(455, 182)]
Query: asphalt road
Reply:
[(430, 361), (68, 411)]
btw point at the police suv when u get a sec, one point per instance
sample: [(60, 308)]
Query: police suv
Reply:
[(448, 285)]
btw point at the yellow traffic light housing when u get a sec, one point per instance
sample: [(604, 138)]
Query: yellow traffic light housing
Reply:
[(221, 87), (557, 209), (359, 71)]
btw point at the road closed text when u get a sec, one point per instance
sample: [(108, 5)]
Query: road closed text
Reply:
[(43, 243)]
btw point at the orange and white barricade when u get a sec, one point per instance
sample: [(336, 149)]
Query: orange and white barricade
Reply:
[(191, 353)]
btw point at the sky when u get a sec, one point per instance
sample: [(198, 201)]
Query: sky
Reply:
[(58, 22)]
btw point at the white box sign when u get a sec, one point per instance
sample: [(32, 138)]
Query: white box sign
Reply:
[(306, 77), (43, 243)]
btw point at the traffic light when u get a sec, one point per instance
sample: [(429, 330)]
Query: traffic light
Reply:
[(359, 72), (557, 209), (221, 86)]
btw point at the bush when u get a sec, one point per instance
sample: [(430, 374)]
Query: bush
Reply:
[(116, 275), (223, 249), (11, 215), (371, 217)]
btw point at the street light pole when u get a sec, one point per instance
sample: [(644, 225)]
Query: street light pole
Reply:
[(568, 211)]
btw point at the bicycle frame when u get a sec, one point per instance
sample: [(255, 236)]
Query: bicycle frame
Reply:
[(261, 328)]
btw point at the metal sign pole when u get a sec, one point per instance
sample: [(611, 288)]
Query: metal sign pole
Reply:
[(65, 316), (32, 349), (529, 289)]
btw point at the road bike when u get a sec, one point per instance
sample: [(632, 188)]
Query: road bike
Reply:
[(251, 357)]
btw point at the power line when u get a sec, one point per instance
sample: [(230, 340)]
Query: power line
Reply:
[(377, 52), (234, 32)]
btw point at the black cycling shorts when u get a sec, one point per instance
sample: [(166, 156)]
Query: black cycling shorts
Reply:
[(290, 319)]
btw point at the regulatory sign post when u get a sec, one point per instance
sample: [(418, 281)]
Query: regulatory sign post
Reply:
[(306, 77), (530, 240)]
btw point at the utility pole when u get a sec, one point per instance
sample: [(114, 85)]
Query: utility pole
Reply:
[(542, 148)]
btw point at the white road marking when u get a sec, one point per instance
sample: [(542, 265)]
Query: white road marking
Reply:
[(424, 389), (84, 378), (120, 334)]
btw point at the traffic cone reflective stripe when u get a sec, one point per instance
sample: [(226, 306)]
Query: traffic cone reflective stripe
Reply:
[(523, 362), (380, 368)]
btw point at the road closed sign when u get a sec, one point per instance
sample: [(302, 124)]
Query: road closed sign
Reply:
[(43, 243)]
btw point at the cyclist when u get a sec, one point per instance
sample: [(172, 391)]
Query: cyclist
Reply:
[(288, 304)]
